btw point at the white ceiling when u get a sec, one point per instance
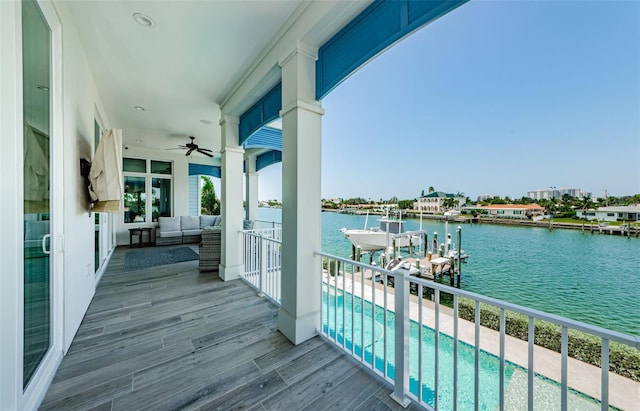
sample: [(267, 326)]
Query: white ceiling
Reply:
[(181, 69)]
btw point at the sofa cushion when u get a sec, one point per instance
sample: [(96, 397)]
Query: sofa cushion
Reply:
[(218, 221), (167, 234), (189, 222), (207, 220), (169, 224), (192, 232)]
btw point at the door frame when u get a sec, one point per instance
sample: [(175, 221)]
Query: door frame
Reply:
[(12, 393)]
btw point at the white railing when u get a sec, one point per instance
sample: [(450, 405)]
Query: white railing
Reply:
[(422, 344), (259, 224), (262, 260)]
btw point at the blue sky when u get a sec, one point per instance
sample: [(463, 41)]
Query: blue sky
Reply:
[(497, 97)]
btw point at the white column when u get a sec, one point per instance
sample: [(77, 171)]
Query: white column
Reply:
[(301, 114), (231, 207), (251, 187)]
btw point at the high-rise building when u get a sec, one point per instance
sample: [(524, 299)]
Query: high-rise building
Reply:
[(554, 192)]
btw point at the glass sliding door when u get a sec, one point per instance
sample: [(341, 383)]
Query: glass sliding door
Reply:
[(36, 47)]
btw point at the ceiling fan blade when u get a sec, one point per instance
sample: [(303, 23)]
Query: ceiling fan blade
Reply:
[(189, 152), (204, 152), (206, 149), (175, 148)]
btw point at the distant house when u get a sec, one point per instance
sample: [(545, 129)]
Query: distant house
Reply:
[(433, 203), (517, 211), (612, 213)]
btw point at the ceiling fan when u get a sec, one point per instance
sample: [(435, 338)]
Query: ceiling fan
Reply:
[(191, 147)]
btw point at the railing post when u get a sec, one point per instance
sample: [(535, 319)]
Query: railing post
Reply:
[(263, 265), (401, 355)]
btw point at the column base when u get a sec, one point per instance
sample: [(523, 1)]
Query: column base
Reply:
[(402, 400), (229, 272), (298, 330)]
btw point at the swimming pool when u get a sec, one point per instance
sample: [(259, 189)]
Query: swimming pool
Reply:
[(366, 328)]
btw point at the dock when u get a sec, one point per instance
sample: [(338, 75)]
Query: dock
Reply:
[(435, 269)]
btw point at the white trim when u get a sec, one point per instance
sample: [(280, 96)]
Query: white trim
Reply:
[(37, 387), (310, 106), (148, 180), (300, 48), (11, 252)]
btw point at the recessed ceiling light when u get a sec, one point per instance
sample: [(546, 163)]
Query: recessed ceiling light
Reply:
[(42, 87), (206, 121), (139, 108), (144, 20)]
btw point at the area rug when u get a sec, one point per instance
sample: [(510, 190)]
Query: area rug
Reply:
[(151, 257)]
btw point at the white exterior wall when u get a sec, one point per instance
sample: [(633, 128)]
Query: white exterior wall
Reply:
[(80, 99), (179, 186), (434, 204), (604, 215), (74, 101)]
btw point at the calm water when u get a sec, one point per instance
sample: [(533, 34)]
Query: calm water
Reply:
[(590, 278)]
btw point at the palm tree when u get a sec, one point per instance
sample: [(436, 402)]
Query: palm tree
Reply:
[(548, 204), (585, 204), (448, 203)]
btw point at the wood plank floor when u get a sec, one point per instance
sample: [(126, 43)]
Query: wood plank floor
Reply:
[(169, 337)]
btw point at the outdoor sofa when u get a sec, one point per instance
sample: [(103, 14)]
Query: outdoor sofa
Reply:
[(184, 229)]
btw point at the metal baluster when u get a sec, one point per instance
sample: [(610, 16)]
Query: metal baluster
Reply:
[(502, 337), (263, 266), (437, 348), (328, 297), (344, 310), (321, 286), (531, 373), (353, 309), (386, 346), (455, 352), (564, 351), (361, 313), (373, 320), (420, 342), (335, 300), (604, 379), (476, 371)]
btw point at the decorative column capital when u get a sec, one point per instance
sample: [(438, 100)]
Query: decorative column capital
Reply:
[(229, 119), (237, 150), (311, 106), (302, 49)]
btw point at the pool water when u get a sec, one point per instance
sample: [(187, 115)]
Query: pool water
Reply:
[(368, 330)]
